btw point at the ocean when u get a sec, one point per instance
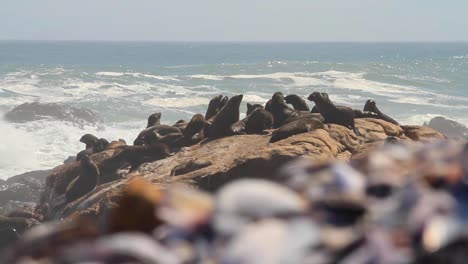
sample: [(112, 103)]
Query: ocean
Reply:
[(125, 82)]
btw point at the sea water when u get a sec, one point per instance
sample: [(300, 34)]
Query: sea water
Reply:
[(126, 82)]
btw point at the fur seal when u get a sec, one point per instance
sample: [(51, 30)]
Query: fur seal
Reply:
[(228, 115), (85, 182), (133, 156), (192, 165), (252, 107), (168, 139), (371, 106), (268, 106), (255, 123), (89, 139), (93, 145), (301, 125), (196, 124), (193, 132), (180, 124), (342, 115), (213, 107), (297, 102), (154, 119), (101, 145), (280, 110), (145, 136)]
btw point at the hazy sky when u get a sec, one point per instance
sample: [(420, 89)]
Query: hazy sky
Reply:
[(235, 20)]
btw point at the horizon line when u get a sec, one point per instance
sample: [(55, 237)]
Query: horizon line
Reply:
[(239, 41)]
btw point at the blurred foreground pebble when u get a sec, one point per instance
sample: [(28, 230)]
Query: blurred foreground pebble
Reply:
[(399, 204)]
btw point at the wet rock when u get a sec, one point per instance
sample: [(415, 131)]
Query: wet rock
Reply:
[(422, 133), (450, 128), (35, 111)]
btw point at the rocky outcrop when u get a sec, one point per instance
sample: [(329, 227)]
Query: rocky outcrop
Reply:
[(229, 158), (35, 111), (22, 190), (422, 133), (450, 128)]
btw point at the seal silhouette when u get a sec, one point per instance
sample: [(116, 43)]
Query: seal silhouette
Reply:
[(147, 135), (154, 119), (280, 110), (85, 182), (228, 115), (301, 125), (297, 102), (252, 107), (371, 106), (255, 123), (342, 115)]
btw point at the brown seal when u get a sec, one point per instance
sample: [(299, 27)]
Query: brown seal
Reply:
[(228, 115), (342, 115), (255, 123), (371, 106), (147, 134), (252, 107), (154, 119), (297, 102), (281, 111), (301, 125), (133, 156), (90, 140), (85, 182), (215, 105), (180, 124)]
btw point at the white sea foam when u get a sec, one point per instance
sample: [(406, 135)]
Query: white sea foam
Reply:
[(254, 98), (422, 78), (460, 57), (179, 102), (137, 75), (44, 144), (113, 74), (17, 151), (207, 77)]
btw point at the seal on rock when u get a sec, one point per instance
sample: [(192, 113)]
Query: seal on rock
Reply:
[(252, 107), (297, 102), (342, 115), (90, 140), (193, 132), (371, 106), (154, 119), (85, 182), (228, 115), (133, 156), (145, 136), (280, 110), (299, 126), (255, 123), (180, 124), (215, 105), (196, 125)]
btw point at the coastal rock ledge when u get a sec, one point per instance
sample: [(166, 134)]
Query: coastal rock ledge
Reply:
[(211, 164)]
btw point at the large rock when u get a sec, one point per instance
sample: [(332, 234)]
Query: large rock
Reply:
[(450, 128), (35, 111), (22, 189), (422, 133), (231, 158)]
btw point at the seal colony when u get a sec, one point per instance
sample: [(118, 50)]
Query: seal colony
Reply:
[(158, 140)]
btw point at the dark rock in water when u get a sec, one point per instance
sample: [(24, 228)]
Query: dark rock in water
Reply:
[(36, 111), (24, 188), (450, 128)]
